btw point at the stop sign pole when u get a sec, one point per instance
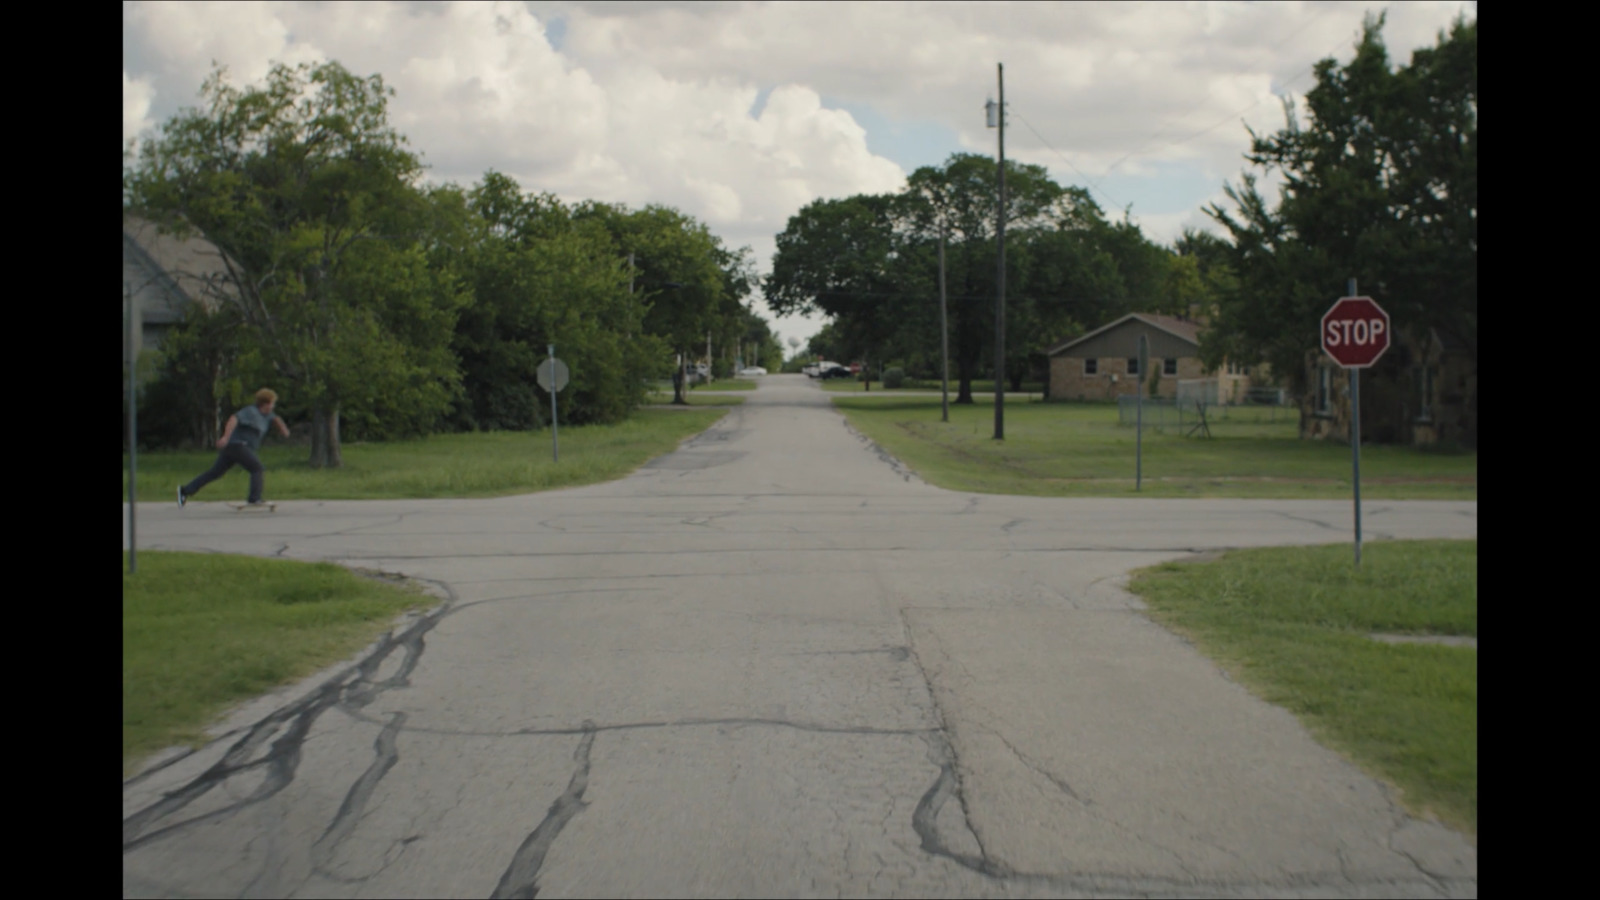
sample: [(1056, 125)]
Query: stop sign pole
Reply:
[(1355, 332), (552, 375), (555, 440)]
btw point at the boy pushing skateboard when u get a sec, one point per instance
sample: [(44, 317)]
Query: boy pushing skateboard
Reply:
[(240, 441)]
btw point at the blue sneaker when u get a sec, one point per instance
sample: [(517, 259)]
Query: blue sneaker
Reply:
[(181, 498)]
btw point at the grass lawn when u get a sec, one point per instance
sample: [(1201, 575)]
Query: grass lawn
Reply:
[(726, 384), (986, 389), (1292, 624), (484, 464), (721, 384), (202, 632), (665, 399), (1079, 450)]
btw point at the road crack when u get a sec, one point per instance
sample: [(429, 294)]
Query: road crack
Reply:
[(352, 688), (355, 802), (521, 878)]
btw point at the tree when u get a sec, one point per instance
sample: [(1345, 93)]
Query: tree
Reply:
[(960, 199), (759, 345), (836, 257), (730, 320), (196, 380), (680, 268), (542, 275), (1380, 184), (312, 198), (871, 264)]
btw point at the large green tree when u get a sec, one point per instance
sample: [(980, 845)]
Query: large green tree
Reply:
[(543, 276), (837, 257), (961, 200), (312, 196), (871, 264), (1380, 184), (681, 270)]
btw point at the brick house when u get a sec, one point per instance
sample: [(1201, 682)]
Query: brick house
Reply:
[(1423, 391), (1103, 364)]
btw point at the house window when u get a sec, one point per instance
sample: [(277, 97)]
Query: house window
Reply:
[(1170, 366), (1091, 367), (1324, 389), (1133, 365)]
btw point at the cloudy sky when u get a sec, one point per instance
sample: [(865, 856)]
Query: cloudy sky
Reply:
[(741, 113)]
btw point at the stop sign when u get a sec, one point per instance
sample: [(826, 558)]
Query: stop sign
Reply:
[(1355, 332)]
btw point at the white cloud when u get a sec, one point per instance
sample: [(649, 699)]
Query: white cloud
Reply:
[(136, 96)]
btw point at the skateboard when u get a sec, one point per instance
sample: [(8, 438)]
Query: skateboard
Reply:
[(241, 507)]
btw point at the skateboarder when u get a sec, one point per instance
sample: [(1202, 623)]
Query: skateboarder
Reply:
[(239, 442)]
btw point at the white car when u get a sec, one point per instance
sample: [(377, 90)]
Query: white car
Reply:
[(816, 369), (752, 370)]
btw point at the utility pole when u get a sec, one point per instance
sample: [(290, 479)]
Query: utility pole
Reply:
[(944, 334), (998, 120)]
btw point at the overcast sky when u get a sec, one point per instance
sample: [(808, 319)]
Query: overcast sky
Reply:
[(741, 113)]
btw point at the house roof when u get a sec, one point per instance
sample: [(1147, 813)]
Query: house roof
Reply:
[(192, 265), (1183, 329)]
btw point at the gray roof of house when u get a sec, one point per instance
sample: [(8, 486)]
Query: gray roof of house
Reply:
[(192, 265), (1182, 329)]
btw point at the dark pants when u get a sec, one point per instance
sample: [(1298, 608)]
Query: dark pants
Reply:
[(231, 455)]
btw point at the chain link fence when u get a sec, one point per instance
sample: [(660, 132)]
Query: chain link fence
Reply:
[(1197, 405)]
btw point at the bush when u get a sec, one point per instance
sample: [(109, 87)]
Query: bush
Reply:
[(894, 378)]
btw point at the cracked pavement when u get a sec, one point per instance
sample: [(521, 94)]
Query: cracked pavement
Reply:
[(774, 663)]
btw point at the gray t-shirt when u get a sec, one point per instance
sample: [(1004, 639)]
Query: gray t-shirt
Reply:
[(252, 427)]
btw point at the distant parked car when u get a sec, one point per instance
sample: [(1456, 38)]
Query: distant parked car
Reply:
[(752, 370), (836, 372)]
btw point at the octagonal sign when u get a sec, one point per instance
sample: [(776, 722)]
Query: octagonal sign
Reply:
[(1355, 332)]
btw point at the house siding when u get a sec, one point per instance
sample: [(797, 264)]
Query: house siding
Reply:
[(1392, 399), (1112, 350)]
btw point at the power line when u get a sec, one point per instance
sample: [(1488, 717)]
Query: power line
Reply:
[(1204, 131), (1149, 147), (1095, 187), (913, 295), (1258, 59)]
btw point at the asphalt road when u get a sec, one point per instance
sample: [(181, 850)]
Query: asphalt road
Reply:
[(771, 664)]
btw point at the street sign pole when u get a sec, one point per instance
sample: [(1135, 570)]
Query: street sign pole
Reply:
[(133, 445), (552, 375), (944, 337), (1355, 440), (1355, 333), (1138, 440), (555, 437)]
